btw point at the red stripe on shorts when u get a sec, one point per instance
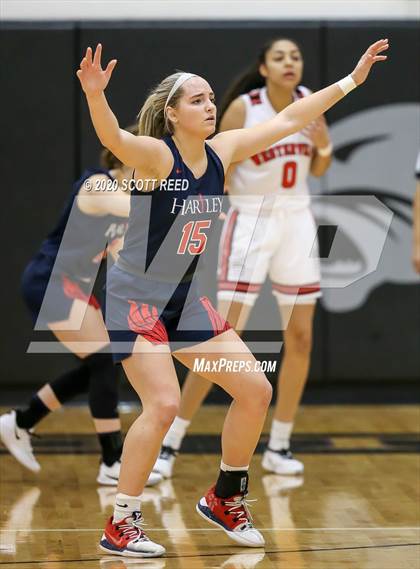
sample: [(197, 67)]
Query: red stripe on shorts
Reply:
[(73, 290), (240, 286), (218, 323), (297, 289)]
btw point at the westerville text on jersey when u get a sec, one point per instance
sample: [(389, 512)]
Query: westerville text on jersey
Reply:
[(280, 150)]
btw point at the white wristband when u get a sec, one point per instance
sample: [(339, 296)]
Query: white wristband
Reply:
[(326, 151), (347, 84)]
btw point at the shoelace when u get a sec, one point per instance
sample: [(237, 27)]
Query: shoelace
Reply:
[(167, 452), (286, 453), (133, 529), (26, 441), (240, 508)]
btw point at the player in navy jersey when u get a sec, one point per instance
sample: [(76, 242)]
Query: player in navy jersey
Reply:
[(56, 286), (248, 252), (153, 304)]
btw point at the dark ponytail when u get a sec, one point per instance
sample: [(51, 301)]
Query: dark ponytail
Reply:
[(250, 78), (245, 82)]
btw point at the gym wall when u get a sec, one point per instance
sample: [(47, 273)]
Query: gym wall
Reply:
[(369, 330)]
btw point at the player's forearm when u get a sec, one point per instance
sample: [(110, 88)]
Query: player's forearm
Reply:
[(416, 218), (104, 121), (305, 110), (320, 164)]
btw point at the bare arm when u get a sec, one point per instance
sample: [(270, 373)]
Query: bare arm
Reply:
[(97, 197), (317, 131), (115, 247), (233, 117), (320, 164), (143, 153), (237, 145), (416, 229)]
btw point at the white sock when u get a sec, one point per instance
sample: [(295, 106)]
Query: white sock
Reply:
[(176, 433), (227, 468), (280, 435), (125, 505)]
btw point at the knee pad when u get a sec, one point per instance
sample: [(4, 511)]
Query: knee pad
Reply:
[(103, 386), (71, 383)]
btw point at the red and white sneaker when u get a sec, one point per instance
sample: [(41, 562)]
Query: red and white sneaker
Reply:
[(232, 516), (127, 538)]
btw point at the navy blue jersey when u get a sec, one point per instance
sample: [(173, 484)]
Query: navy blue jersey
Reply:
[(85, 235), (169, 227)]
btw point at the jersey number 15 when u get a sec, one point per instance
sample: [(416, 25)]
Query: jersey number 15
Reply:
[(193, 238)]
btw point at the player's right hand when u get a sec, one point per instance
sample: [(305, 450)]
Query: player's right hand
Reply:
[(369, 58), (92, 77)]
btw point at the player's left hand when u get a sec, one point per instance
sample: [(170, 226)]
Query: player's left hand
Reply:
[(317, 132), (371, 56)]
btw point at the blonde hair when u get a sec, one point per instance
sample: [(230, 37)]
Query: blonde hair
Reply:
[(152, 117)]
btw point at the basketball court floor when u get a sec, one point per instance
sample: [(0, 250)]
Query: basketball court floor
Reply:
[(357, 505)]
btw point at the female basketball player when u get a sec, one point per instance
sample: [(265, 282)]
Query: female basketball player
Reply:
[(279, 244), (96, 217), (150, 291)]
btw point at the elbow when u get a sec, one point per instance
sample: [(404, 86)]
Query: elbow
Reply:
[(316, 173), (320, 166), (319, 170)]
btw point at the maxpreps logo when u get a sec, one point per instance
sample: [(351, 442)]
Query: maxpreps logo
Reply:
[(374, 154)]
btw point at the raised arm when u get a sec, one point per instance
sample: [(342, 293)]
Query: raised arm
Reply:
[(234, 117), (237, 145), (139, 152)]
